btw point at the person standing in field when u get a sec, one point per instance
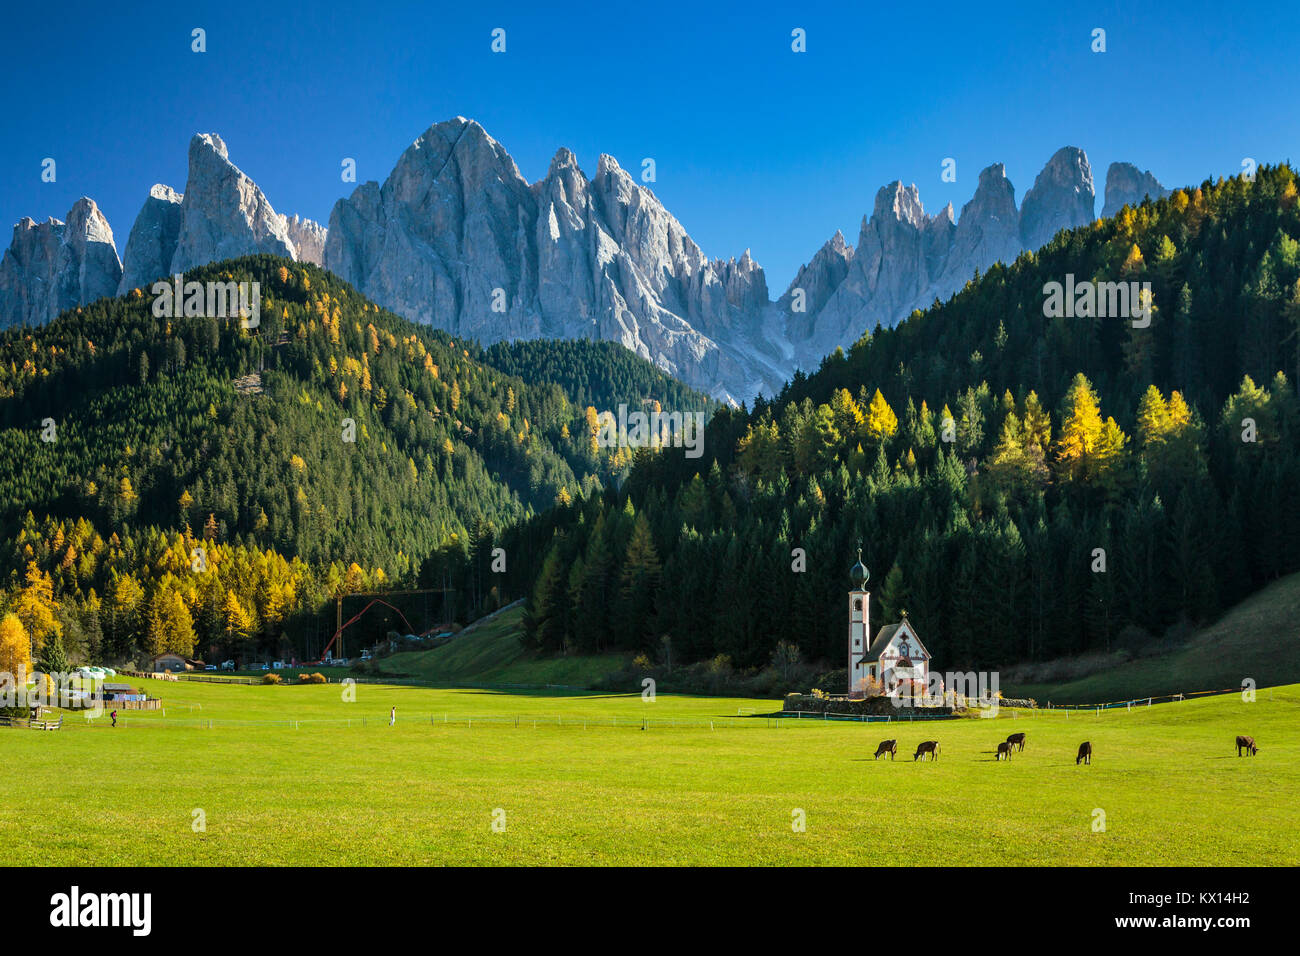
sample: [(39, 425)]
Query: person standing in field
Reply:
[(113, 714), (392, 716)]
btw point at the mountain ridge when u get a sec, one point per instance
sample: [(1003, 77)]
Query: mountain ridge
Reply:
[(456, 237)]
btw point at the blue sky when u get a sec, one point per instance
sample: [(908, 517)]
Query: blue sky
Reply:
[(756, 146)]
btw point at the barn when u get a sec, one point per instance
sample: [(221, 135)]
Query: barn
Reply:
[(170, 664), (120, 693)]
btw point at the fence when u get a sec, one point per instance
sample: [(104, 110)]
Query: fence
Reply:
[(31, 723), (1141, 701), (865, 718), (148, 675), (152, 703), (207, 679), (456, 685), (448, 719)]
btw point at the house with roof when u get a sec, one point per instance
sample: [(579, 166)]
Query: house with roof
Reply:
[(170, 664)]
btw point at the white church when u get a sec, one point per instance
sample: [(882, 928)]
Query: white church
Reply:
[(895, 662)]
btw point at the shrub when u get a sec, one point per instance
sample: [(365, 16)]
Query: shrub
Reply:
[(312, 678), (270, 678)]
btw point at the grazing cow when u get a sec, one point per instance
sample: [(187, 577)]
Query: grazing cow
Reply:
[(1085, 753), (930, 747), (1017, 740), (1004, 750), (1247, 744), (889, 747)]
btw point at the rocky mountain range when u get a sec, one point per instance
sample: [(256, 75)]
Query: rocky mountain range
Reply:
[(53, 266), (458, 238)]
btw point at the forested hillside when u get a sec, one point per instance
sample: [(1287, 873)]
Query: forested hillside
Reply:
[(601, 374), (170, 483), (1024, 487)]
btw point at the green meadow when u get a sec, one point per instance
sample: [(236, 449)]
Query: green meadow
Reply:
[(297, 775)]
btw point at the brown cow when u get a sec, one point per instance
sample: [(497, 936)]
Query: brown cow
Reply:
[(889, 747), (1247, 744), (1085, 753), (1004, 750), (930, 747), (1018, 740)]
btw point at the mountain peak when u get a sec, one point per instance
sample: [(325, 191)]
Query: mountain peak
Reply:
[(57, 265), (153, 238), (564, 158), (209, 141), (899, 202), (1126, 185), (223, 213), (1062, 197)]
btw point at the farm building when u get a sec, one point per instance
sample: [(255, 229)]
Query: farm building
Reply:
[(170, 663), (120, 693), (124, 697)]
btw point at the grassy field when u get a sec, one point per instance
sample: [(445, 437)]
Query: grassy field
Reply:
[(297, 775)]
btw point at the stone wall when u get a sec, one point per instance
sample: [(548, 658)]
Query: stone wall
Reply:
[(867, 707)]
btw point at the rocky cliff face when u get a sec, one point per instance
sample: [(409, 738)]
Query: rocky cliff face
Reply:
[(53, 266), (899, 247), (905, 259), (987, 232), (308, 239), (152, 243), (1062, 197), (456, 237), (455, 224), (223, 213), (814, 284), (1126, 185)]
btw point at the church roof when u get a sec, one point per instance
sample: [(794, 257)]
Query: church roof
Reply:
[(886, 634), (883, 637)]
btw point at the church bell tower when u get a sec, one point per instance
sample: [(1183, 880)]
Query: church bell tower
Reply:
[(859, 628)]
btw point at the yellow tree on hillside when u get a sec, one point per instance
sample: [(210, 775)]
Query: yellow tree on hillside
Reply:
[(15, 650), (881, 421), (759, 451), (1152, 417), (35, 606), (847, 414), (171, 627), (1037, 424), (1168, 435), (238, 624), (1088, 448)]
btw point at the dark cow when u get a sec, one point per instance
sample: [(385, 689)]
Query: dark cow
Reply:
[(1004, 750), (889, 747), (1085, 753), (930, 747), (1017, 740), (1247, 744)]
